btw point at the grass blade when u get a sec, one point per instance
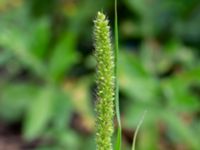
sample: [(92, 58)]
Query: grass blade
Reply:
[(118, 142), (137, 130)]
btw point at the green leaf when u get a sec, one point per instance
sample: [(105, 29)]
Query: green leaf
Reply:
[(179, 96), (16, 41), (180, 131), (39, 113), (135, 81), (15, 98), (149, 137), (137, 130), (63, 57), (62, 109), (40, 37)]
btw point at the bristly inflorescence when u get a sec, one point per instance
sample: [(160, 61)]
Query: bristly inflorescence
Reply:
[(105, 83)]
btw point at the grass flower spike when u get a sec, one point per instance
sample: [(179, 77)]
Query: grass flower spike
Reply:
[(105, 83)]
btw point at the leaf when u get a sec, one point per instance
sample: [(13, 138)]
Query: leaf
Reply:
[(15, 98), (179, 96), (149, 137), (62, 109), (137, 130), (135, 81), (39, 114), (16, 41), (39, 38), (63, 57), (179, 130)]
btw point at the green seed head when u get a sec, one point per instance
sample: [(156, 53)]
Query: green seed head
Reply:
[(105, 83)]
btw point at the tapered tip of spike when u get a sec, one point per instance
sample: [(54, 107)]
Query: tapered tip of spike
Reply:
[(101, 16)]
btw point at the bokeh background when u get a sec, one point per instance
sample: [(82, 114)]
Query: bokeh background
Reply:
[(47, 80)]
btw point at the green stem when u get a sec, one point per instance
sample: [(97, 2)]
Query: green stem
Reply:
[(118, 142)]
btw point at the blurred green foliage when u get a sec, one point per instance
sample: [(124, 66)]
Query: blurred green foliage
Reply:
[(47, 71)]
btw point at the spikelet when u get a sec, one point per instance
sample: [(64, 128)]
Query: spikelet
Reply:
[(105, 83)]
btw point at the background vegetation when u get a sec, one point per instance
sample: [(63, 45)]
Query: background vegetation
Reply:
[(47, 73)]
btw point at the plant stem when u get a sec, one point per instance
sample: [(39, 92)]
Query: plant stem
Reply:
[(118, 143)]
